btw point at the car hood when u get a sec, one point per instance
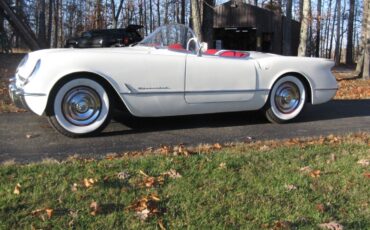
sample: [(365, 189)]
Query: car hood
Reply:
[(68, 51), (30, 60)]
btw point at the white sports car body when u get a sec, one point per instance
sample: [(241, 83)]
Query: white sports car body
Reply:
[(167, 74)]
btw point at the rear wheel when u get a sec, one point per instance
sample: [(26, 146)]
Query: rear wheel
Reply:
[(80, 107), (286, 101)]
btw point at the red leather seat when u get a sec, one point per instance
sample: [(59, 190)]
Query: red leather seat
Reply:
[(236, 54), (211, 52), (176, 46)]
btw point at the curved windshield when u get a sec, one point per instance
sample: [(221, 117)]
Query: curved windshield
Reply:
[(166, 36)]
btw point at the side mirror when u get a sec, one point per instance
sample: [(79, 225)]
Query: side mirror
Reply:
[(203, 47)]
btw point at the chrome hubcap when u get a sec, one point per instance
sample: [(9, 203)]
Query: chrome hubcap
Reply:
[(287, 97), (81, 106)]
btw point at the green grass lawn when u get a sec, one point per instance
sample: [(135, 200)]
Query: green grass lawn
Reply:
[(238, 187)]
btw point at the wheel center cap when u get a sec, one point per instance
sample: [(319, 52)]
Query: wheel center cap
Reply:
[(81, 107), (287, 99)]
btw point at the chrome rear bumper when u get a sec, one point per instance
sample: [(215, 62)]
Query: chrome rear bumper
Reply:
[(17, 95)]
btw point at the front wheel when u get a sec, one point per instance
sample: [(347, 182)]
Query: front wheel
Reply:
[(286, 101), (80, 107)]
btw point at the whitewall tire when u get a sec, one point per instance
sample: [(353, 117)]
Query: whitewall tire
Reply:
[(80, 107), (286, 101)]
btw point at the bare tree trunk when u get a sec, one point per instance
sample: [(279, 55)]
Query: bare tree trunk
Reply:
[(304, 28), (177, 12), (98, 15), (166, 5), (50, 22), (327, 25), (145, 19), (56, 24), (355, 35), (207, 24), (113, 9), (196, 18), (287, 29), (159, 13), (337, 42), (342, 31), (61, 23), (141, 21), (2, 28), (332, 31), (183, 11), (310, 48), (349, 49), (300, 10), (366, 71), (151, 15), (318, 30), (42, 26)]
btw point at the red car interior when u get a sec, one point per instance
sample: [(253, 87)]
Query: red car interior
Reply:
[(226, 53)]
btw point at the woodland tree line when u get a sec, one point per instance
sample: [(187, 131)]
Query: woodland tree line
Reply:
[(336, 29)]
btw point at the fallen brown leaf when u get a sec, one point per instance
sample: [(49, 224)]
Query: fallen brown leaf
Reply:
[(290, 187), (320, 207), (89, 182), (161, 225), (364, 162), (74, 187), (315, 173), (264, 148), (367, 175), (154, 197), (331, 226), (217, 146), (149, 181), (17, 189), (37, 212), (281, 225), (182, 150), (49, 212), (172, 173), (306, 169), (143, 173), (165, 149), (94, 208), (143, 214), (222, 165), (146, 207), (123, 175)]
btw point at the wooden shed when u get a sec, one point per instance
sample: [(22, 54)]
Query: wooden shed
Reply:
[(241, 26)]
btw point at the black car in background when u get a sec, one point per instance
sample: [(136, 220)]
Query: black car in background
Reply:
[(106, 38)]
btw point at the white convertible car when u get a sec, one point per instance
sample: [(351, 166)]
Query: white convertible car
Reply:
[(169, 73)]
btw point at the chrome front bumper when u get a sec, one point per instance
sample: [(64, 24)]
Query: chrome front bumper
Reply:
[(17, 95)]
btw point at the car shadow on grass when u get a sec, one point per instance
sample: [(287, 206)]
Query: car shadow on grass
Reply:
[(335, 109)]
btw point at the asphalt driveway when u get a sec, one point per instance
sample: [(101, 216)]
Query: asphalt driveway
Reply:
[(26, 137)]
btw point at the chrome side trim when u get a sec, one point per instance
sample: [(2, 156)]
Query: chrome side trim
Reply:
[(193, 92), (327, 89), (34, 94)]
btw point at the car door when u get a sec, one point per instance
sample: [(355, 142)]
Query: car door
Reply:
[(155, 72), (212, 78)]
